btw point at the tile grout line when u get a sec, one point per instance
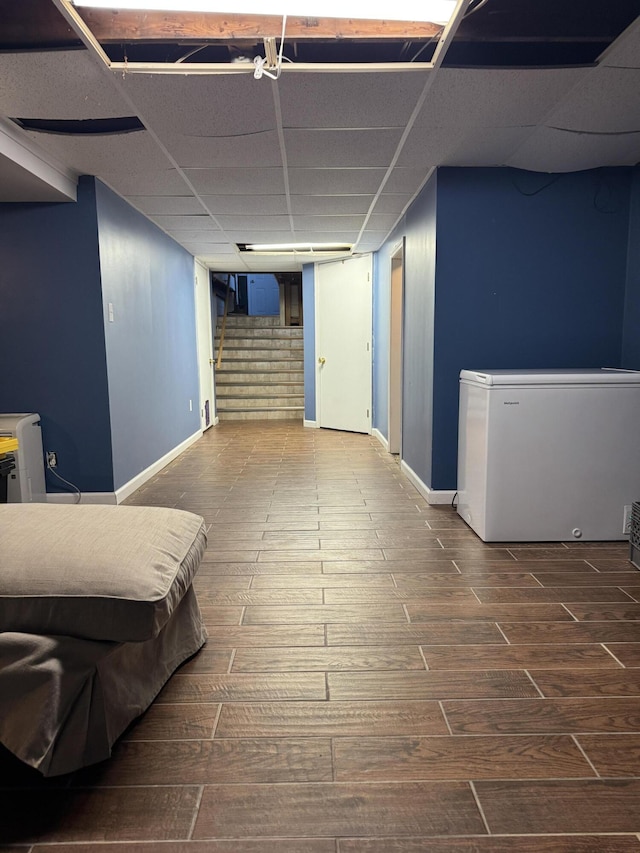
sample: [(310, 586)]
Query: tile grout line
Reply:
[(479, 806), (585, 756), (196, 812)]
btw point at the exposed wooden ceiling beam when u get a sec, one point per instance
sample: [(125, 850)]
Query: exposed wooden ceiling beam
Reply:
[(110, 25)]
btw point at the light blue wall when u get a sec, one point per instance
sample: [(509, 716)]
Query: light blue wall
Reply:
[(52, 348), (151, 343), (309, 302), (263, 294), (631, 334)]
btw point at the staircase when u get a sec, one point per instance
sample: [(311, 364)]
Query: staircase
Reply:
[(262, 371)]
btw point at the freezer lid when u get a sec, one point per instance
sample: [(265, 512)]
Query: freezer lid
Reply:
[(578, 376)]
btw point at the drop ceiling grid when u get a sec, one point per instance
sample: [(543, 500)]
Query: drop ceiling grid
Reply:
[(592, 107), (202, 152)]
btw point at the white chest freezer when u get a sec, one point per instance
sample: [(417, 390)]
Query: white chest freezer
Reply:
[(548, 455)]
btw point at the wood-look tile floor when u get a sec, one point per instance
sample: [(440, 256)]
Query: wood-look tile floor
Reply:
[(376, 680)]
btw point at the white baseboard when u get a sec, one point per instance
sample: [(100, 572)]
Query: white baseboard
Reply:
[(310, 424), (129, 488), (432, 496), (216, 421), (383, 441)]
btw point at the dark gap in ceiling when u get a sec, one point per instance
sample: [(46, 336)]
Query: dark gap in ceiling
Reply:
[(82, 127), (493, 34)]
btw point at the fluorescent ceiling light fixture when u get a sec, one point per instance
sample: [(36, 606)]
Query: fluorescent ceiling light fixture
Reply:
[(295, 247), (434, 11)]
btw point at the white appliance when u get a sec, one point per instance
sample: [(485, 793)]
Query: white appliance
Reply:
[(548, 455), (26, 482)]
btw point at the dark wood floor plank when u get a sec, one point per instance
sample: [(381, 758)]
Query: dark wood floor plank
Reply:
[(488, 612), (328, 659), (627, 653), (260, 597), (175, 722), (493, 844), (330, 719), (338, 809), (613, 755), (533, 656), (423, 758), (569, 594), (571, 632), (605, 612), (380, 580), (236, 845), (98, 814), (257, 615), (619, 579), (219, 761), (561, 806), (418, 581), (543, 716), (620, 682), (414, 633), (238, 687), (266, 635), (429, 685), (462, 595)]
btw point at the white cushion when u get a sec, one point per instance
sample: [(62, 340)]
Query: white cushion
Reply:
[(98, 572)]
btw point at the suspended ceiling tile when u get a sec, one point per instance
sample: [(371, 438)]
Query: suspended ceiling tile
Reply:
[(257, 150), (334, 181), (328, 223), (341, 148), (184, 223), (203, 105), (305, 235), (549, 150), (405, 180), (607, 101), (429, 146), (391, 203), (381, 222), (211, 235), (255, 223), (203, 247), (487, 146), (384, 100), (63, 84), (106, 156), (165, 182), (168, 205), (253, 236), (371, 241), (263, 205), (330, 204), (489, 97), (243, 181)]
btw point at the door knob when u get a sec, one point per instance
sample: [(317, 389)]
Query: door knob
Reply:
[(321, 360)]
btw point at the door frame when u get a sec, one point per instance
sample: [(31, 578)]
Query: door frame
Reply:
[(204, 343)]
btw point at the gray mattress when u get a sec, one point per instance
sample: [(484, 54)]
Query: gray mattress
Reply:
[(64, 701)]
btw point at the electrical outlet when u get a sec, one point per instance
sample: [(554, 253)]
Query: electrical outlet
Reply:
[(626, 523), (52, 459)]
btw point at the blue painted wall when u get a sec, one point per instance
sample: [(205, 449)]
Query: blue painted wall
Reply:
[(309, 302), (52, 347), (151, 343), (631, 332), (263, 294), (531, 273), (507, 269)]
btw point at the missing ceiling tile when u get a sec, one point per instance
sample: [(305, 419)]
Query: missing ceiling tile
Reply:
[(82, 127)]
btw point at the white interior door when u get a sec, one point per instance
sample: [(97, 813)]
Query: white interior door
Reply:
[(205, 346), (343, 344)]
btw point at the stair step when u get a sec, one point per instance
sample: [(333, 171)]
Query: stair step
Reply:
[(260, 354), (262, 402), (231, 376), (273, 415), (253, 322), (251, 389), (285, 344), (244, 364), (275, 333)]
